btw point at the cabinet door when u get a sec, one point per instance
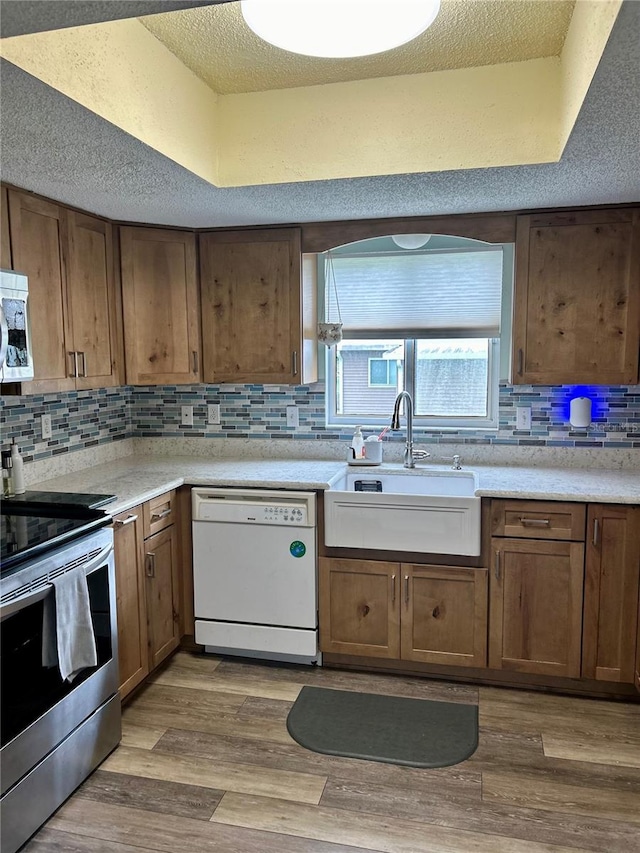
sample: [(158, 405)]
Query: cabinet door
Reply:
[(160, 306), (91, 301), (536, 606), (161, 567), (5, 241), (37, 235), (251, 318), (360, 608), (611, 593), (577, 301), (444, 615), (133, 654)]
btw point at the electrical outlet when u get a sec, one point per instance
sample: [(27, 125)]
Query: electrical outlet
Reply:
[(213, 413), (187, 416), (293, 416), (523, 417), (45, 422)]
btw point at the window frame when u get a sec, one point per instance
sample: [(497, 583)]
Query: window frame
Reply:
[(423, 423)]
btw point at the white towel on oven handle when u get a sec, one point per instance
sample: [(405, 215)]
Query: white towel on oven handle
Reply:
[(68, 639)]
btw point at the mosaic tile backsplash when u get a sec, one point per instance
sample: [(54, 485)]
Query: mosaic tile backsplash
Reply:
[(84, 419)]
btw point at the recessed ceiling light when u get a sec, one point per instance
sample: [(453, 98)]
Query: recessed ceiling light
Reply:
[(339, 28)]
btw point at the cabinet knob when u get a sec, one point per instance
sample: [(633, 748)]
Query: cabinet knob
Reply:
[(406, 590), (520, 361), (596, 532), (72, 367), (497, 566), (294, 363), (84, 364), (194, 355), (393, 589)]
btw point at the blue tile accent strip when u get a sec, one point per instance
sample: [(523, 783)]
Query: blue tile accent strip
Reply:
[(84, 419)]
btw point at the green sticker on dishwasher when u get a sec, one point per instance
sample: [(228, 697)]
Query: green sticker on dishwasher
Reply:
[(298, 548)]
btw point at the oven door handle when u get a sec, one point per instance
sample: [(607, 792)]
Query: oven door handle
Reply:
[(41, 592)]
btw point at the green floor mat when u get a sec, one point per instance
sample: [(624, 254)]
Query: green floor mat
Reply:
[(393, 729)]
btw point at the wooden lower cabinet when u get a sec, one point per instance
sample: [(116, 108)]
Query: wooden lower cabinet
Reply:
[(147, 595), (434, 614), (161, 568), (444, 615), (133, 654), (360, 607), (536, 606), (611, 593)]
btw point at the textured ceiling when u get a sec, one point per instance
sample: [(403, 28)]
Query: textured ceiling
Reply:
[(34, 16), (215, 43), (55, 147)]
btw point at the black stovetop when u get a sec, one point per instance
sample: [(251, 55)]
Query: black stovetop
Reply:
[(37, 522)]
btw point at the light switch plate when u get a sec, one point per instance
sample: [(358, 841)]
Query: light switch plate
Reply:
[(45, 421), (293, 416), (523, 417), (187, 416), (213, 413)]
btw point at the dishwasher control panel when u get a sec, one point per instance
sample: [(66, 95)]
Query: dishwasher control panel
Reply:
[(295, 509)]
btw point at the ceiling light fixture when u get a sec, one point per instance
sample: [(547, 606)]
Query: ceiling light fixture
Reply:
[(411, 241), (339, 28)]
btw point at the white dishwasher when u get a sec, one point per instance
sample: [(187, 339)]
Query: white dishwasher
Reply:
[(254, 572)]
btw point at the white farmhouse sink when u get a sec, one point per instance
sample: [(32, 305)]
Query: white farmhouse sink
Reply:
[(428, 512)]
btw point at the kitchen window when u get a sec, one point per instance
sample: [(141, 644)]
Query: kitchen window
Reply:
[(428, 321)]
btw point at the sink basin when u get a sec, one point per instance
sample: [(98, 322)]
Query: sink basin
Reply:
[(422, 511)]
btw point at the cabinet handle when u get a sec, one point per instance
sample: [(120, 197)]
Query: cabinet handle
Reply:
[(151, 564), (194, 355), (596, 532), (122, 522), (535, 522), (84, 364), (406, 590), (156, 516), (497, 566), (73, 364), (294, 363), (520, 362), (393, 589)]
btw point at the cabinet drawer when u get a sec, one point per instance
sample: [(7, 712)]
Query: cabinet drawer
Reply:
[(538, 520), (159, 513)]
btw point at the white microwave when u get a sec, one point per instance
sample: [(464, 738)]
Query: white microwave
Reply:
[(16, 357)]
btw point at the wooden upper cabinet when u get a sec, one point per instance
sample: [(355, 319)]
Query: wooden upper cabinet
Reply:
[(253, 326), (38, 230), (577, 298), (68, 258), (91, 301), (611, 593), (160, 306), (5, 241)]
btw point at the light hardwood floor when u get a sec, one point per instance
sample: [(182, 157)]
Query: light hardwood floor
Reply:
[(206, 764)]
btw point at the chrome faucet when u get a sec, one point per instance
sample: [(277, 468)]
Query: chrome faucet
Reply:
[(410, 455)]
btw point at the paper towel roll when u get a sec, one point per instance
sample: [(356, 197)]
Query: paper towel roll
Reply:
[(580, 412)]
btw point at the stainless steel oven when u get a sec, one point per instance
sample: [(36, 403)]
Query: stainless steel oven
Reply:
[(54, 733)]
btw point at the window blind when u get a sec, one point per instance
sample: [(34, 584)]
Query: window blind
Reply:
[(455, 293)]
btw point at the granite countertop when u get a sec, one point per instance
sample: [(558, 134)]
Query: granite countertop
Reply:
[(138, 478)]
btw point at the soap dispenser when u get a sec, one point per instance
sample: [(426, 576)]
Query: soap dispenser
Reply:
[(18, 469), (357, 444)]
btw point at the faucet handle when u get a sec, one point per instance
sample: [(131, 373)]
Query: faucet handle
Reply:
[(421, 454)]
